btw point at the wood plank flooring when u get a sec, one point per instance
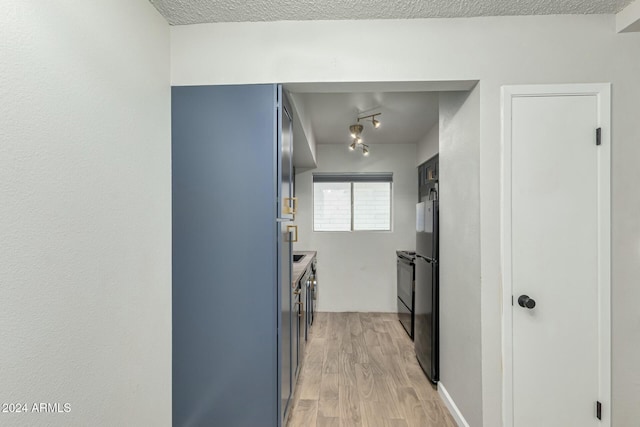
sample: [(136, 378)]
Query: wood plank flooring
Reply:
[(360, 370)]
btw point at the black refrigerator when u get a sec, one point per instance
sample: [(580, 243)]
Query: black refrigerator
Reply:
[(426, 339)]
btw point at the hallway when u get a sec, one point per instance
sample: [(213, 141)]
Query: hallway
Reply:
[(360, 370)]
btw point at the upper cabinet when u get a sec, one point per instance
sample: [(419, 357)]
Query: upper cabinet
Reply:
[(428, 176), (304, 152), (288, 203)]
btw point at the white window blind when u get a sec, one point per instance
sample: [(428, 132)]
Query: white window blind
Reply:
[(352, 202), (371, 205), (332, 206)]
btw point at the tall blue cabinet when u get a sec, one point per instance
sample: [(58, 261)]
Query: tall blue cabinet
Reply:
[(231, 205)]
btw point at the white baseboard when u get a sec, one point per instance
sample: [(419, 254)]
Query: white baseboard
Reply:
[(451, 406)]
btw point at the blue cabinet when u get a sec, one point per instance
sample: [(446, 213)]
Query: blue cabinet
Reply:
[(285, 252), (231, 178)]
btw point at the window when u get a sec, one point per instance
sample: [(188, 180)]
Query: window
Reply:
[(352, 202), (332, 206)]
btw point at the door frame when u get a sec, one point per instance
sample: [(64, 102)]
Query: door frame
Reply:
[(603, 93)]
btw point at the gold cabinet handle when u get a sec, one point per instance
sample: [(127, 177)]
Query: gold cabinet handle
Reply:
[(296, 292), (290, 205), (289, 229), (301, 308)]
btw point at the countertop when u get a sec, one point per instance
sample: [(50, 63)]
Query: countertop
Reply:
[(300, 267)]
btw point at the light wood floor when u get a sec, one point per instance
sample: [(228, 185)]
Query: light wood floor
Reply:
[(360, 370)]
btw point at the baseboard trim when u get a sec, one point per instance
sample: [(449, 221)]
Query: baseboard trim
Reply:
[(451, 406)]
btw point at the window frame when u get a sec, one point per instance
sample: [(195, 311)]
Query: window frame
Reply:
[(351, 179)]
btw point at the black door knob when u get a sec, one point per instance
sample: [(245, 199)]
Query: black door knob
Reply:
[(526, 302)]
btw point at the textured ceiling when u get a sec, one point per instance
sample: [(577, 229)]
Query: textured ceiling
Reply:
[(180, 12), (406, 116)]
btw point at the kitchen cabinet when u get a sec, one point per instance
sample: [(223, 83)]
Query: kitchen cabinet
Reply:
[(428, 175), (300, 320), (232, 255), (305, 289)]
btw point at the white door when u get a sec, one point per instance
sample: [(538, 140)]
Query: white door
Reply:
[(557, 258)]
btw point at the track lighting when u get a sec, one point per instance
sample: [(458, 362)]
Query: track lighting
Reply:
[(372, 117), (355, 130)]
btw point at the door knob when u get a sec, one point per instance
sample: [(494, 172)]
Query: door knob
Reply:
[(526, 302)]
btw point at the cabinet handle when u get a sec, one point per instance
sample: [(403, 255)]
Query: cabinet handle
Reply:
[(289, 229), (296, 293), (291, 205)]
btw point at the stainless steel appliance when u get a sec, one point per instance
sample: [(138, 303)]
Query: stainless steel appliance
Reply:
[(406, 290), (426, 334)]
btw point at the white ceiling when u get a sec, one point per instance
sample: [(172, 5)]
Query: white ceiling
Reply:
[(406, 116), (180, 12)]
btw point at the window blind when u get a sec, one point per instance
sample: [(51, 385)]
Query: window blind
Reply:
[(353, 177)]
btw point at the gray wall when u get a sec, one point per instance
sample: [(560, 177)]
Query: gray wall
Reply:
[(460, 311), (85, 212), (429, 145)]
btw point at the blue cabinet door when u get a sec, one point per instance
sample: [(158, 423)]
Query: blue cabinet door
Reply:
[(225, 256), (286, 332), (285, 204)]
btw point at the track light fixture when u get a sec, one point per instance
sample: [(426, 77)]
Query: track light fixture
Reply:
[(355, 130), (372, 117)]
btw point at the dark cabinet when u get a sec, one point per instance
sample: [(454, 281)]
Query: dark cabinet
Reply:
[(286, 308), (302, 318), (428, 176), (300, 322)]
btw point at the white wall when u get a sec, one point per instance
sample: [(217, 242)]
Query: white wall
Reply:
[(460, 314), (357, 270), (456, 137), (628, 19), (497, 51), (305, 121), (304, 142), (85, 212), (429, 145)]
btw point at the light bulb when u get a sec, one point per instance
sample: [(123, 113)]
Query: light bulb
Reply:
[(352, 146), (358, 140), (376, 124), (365, 152)]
